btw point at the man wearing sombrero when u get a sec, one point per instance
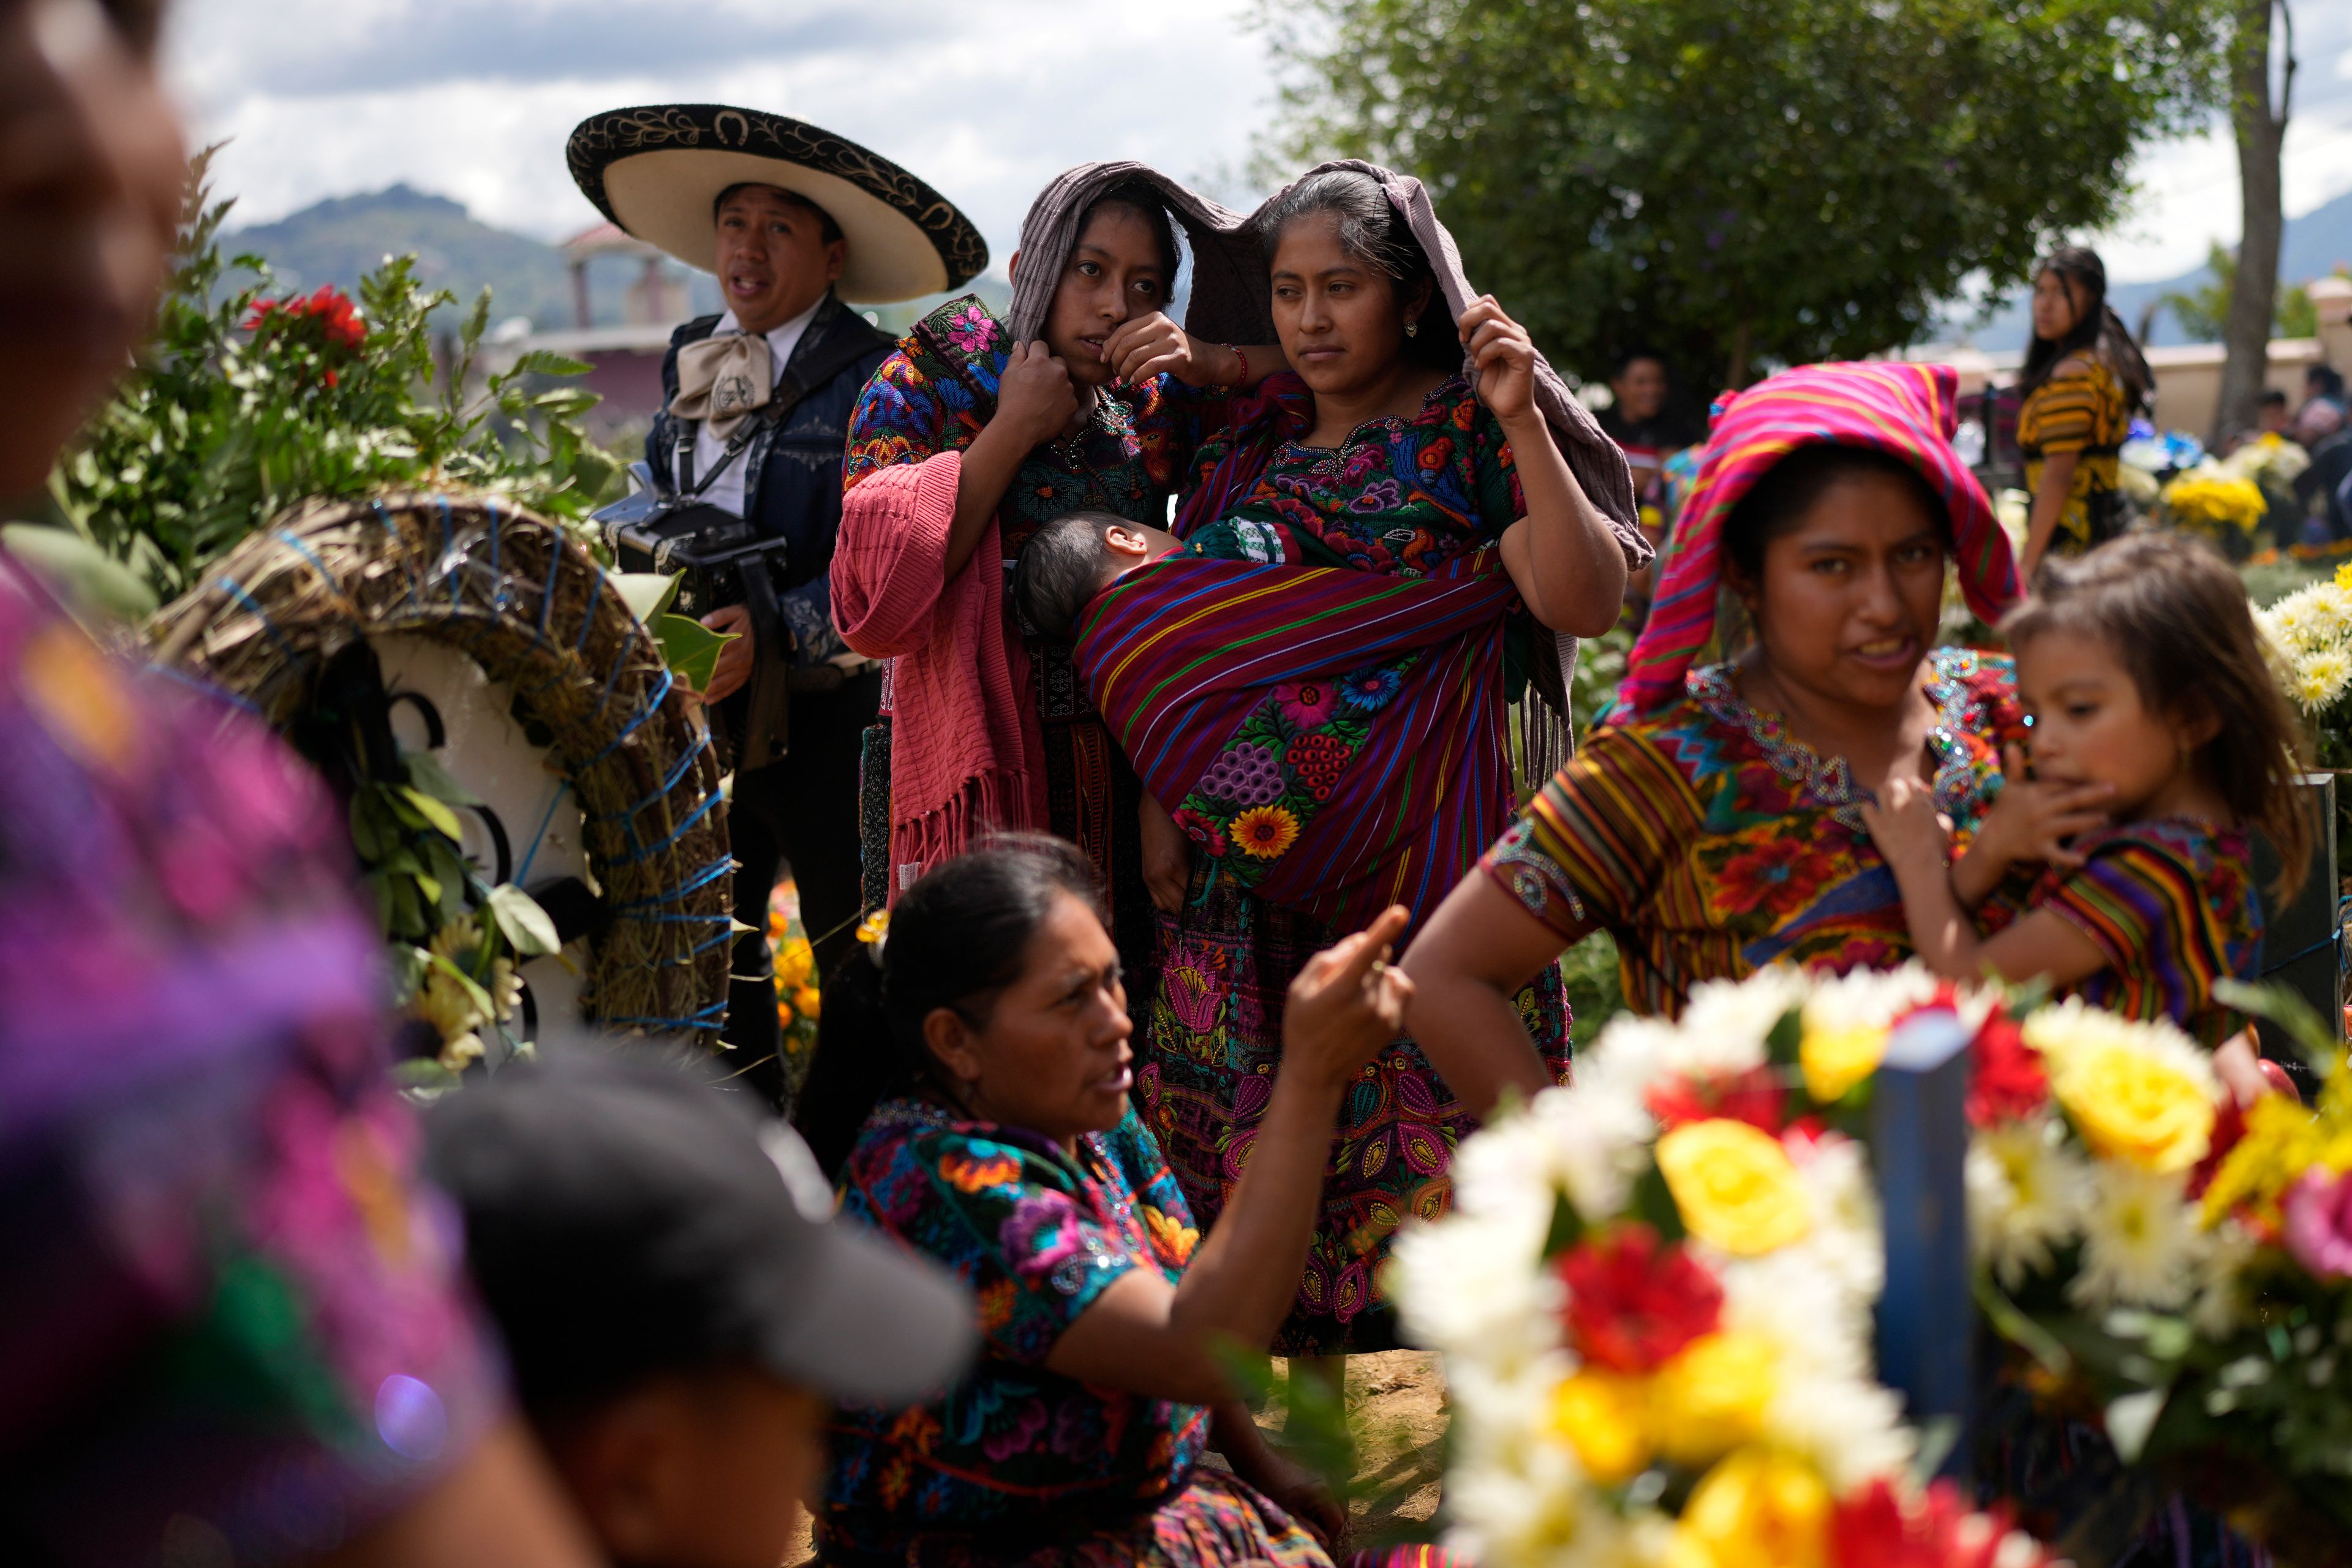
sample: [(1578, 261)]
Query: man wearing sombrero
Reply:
[(794, 220)]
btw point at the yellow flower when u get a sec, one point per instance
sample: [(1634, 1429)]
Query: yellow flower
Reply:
[(1265, 831), (2131, 1104), (875, 927), (1734, 1186), (2344, 576), (805, 1000), (1837, 1057), (795, 961), (2283, 1140), (784, 1015), (1755, 1510), (1711, 1397), (1605, 1418)]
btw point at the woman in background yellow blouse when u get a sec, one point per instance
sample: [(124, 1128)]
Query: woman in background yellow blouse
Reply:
[(2084, 381)]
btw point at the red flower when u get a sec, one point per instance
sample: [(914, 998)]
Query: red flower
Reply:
[(1202, 830), (1876, 1529), (1756, 1096), (2229, 1127), (1633, 1303), (2006, 1079), (338, 319), (1779, 871)]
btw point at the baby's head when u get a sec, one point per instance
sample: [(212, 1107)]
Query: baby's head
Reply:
[(1072, 559), (2140, 665)]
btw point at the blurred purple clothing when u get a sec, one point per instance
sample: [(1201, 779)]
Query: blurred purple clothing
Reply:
[(232, 1327)]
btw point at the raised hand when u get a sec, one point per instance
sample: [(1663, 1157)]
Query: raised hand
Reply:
[(1504, 357), (1035, 396), (1907, 827), (1346, 1002), (2035, 818), (1147, 346)]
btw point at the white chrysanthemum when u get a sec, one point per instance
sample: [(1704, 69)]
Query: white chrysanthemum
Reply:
[(2290, 624), (1821, 1328), (1869, 996), (2075, 1025), (1474, 1287), (1724, 1027), (1598, 1136), (1847, 1238), (2141, 1240), (2223, 1303), (1851, 1428), (2026, 1192), (2320, 678)]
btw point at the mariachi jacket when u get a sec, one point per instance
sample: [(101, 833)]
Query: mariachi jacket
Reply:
[(791, 468)]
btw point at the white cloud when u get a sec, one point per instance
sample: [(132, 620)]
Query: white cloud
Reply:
[(985, 101)]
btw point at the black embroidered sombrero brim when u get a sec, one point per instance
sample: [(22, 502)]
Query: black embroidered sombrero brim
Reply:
[(657, 171)]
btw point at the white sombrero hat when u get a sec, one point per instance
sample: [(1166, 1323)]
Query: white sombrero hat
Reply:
[(658, 173)]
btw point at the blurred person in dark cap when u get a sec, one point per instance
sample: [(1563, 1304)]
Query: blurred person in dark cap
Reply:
[(680, 1307), (232, 1330)]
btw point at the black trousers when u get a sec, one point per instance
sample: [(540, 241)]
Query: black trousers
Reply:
[(801, 811)]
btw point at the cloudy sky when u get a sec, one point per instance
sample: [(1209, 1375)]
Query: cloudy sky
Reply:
[(986, 99)]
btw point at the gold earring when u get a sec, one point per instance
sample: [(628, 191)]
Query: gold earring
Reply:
[(1410, 328)]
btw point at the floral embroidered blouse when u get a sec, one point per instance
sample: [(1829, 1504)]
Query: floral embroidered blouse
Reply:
[(1398, 496), (1013, 1450), (2171, 905), (1711, 842)]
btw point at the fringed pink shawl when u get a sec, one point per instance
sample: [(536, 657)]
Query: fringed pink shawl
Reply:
[(958, 682)]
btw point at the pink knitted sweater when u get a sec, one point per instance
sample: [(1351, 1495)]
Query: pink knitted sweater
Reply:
[(966, 752)]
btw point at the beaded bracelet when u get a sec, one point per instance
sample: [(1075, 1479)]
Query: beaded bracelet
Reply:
[(1234, 349)]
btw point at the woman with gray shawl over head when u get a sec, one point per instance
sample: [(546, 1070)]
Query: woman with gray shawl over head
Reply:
[(967, 439), (1419, 427)]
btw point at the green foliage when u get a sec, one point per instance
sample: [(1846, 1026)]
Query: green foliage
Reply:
[(1746, 182), (239, 405), (2204, 310)]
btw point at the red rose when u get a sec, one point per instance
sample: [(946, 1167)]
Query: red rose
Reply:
[(1633, 1303), (2006, 1079), (1756, 1096)]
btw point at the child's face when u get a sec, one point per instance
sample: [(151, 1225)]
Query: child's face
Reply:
[(2091, 725), (706, 1470)]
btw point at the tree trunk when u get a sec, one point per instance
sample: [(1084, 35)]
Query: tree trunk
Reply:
[(2260, 126), (1736, 376)]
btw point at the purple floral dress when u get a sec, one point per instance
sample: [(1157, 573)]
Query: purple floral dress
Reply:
[(1398, 497)]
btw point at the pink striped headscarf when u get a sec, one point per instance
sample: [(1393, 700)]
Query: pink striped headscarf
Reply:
[(1907, 411)]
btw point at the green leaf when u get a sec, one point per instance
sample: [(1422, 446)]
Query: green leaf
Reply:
[(439, 817), (547, 361), (408, 964), (466, 982), (2322, 1046), (690, 648), (647, 593), (428, 886), (424, 1073), (1783, 1045), (426, 772), (1567, 1227), (526, 926), (83, 572), (1653, 1202)]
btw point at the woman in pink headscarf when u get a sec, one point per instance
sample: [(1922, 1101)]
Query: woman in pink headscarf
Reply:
[(1713, 825)]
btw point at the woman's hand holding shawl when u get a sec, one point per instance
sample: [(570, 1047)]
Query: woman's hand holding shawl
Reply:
[(1568, 564)]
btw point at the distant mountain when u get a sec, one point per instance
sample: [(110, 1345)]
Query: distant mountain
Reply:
[(337, 240), (2311, 246)]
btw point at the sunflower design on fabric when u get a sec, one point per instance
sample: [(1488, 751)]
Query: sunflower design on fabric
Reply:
[(1265, 831)]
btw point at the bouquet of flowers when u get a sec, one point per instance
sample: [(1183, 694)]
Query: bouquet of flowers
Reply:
[(1654, 1297), (2310, 637), (1655, 1292), (2175, 1266), (2212, 500)]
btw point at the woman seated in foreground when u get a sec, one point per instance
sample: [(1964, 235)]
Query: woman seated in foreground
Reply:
[(993, 1031), (1714, 823)]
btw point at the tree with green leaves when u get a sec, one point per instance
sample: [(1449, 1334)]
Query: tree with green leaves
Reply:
[(1747, 182), (2203, 310)]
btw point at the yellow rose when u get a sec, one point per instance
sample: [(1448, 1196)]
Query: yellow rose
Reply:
[(1711, 1397), (1604, 1417), (1838, 1056), (1734, 1186), (1755, 1510), (2132, 1105)]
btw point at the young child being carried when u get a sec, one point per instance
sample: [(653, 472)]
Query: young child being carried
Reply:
[(2159, 742), (1329, 737)]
